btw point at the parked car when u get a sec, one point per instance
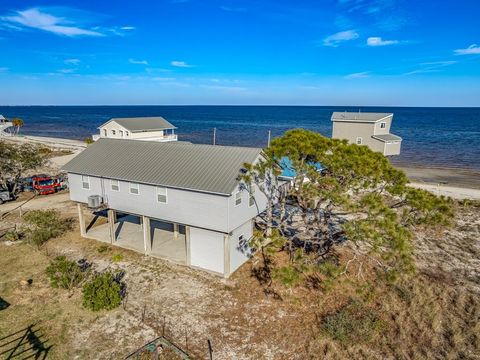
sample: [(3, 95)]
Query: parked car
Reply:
[(44, 185), (5, 196)]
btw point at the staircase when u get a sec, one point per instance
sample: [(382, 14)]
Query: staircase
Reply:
[(3, 127)]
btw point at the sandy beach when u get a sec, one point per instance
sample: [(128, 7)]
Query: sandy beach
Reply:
[(55, 163), (456, 183)]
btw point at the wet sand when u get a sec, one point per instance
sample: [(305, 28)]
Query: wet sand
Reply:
[(444, 176)]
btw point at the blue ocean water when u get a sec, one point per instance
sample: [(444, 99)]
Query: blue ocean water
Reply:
[(447, 137)]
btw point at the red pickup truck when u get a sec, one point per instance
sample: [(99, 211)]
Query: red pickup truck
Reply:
[(44, 185)]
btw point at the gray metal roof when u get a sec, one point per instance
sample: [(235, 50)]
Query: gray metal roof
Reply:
[(387, 137), (142, 123), (359, 116), (205, 168)]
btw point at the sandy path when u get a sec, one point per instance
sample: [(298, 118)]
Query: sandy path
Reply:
[(55, 201)]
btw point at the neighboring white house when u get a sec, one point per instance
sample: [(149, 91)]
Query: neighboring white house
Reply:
[(137, 128), (174, 200), (371, 129), (4, 125)]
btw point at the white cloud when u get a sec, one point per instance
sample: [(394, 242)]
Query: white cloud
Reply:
[(128, 28), (66, 71), (156, 70), (378, 41), (181, 64), (359, 75), (431, 67), (34, 18), (138, 62), (72, 61), (473, 49), (335, 39)]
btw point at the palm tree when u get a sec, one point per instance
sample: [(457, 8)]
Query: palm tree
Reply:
[(18, 123)]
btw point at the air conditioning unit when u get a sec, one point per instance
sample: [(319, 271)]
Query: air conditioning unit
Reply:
[(95, 201)]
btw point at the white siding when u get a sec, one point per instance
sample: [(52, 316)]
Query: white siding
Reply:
[(238, 214), (239, 250), (206, 250), (185, 207)]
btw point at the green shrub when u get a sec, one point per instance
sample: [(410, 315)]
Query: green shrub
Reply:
[(65, 274), (12, 235), (103, 248), (42, 225), (117, 257), (104, 291), (352, 323), (287, 275)]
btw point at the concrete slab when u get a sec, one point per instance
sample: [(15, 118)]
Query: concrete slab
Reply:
[(129, 235)]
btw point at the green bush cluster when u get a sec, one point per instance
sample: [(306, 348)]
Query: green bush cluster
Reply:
[(287, 275), (12, 235), (104, 292), (43, 225), (352, 323), (65, 274), (117, 257)]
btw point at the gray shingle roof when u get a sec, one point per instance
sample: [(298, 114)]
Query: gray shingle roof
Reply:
[(205, 168), (359, 116), (387, 137), (142, 123)]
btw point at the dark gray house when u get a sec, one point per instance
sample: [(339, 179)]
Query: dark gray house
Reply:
[(174, 200)]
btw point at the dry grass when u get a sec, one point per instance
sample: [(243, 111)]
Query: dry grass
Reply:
[(434, 314)]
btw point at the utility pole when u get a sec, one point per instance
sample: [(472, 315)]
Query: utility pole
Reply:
[(214, 136)]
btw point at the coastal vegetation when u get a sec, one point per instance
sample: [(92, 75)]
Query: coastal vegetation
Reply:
[(337, 193), (16, 161), (18, 123), (66, 274), (104, 291), (42, 225)]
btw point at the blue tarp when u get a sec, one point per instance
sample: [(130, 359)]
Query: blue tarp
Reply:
[(288, 170)]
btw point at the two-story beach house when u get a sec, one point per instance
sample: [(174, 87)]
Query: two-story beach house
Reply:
[(371, 129), (173, 200), (137, 128)]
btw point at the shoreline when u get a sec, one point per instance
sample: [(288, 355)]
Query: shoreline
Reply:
[(459, 183)]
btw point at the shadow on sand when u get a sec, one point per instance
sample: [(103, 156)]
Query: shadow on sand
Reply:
[(27, 343)]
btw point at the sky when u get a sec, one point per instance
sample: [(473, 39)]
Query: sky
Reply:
[(271, 52)]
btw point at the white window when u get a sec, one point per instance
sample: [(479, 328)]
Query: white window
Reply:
[(359, 141), (104, 132), (121, 133), (115, 185), (162, 195), (113, 132), (251, 199), (383, 125), (134, 188), (126, 133), (238, 198), (86, 182)]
